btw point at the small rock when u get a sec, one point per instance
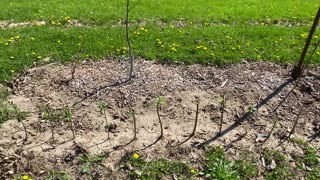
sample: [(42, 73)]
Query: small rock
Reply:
[(272, 165)]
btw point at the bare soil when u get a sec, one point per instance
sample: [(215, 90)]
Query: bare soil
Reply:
[(256, 84)]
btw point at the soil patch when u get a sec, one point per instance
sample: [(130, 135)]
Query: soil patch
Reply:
[(259, 85)]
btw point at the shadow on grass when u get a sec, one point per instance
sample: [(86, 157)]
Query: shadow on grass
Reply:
[(248, 114)]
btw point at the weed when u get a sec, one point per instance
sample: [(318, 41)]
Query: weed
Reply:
[(68, 117), (58, 175), (90, 161), (6, 108), (155, 169), (217, 166), (53, 116), (160, 101), (21, 117), (309, 162), (281, 169), (102, 109)]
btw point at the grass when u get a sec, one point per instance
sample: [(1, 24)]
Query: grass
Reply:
[(175, 32), (6, 108)]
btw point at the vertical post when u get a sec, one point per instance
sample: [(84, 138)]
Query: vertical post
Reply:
[(297, 70)]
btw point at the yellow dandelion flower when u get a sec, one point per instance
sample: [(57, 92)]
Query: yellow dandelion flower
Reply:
[(17, 37), (142, 28), (33, 53), (158, 39), (146, 30), (12, 71), (136, 156), (198, 47), (118, 50), (6, 44), (39, 57), (212, 54), (59, 23), (32, 38), (25, 177), (11, 57), (205, 48), (79, 44), (53, 23), (59, 41), (174, 49), (192, 171)]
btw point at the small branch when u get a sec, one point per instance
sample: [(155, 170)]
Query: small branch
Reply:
[(273, 126), (295, 123), (134, 124), (222, 103), (160, 122), (107, 127), (196, 121), (25, 131), (128, 40)]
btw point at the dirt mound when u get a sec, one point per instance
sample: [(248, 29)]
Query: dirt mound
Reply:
[(254, 92)]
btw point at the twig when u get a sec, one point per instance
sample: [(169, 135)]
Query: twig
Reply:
[(128, 40), (160, 122), (134, 124), (273, 126), (222, 103)]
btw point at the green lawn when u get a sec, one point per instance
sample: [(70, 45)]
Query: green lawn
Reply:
[(202, 31)]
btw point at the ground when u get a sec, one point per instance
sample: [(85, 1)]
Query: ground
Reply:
[(255, 98)]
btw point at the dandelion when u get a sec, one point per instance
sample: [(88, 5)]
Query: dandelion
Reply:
[(248, 43), (158, 39), (112, 46), (79, 44), (198, 47), (146, 30), (59, 41), (53, 23), (33, 53), (11, 57), (142, 28), (6, 43), (39, 57), (17, 37), (174, 49), (25, 177), (212, 54), (318, 53), (59, 24), (32, 38), (192, 171), (136, 156), (205, 48), (12, 71)]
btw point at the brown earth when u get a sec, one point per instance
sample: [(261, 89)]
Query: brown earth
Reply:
[(256, 84)]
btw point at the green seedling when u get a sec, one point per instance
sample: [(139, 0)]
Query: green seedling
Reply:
[(102, 109), (52, 115), (21, 117), (58, 175), (160, 101), (222, 103), (89, 161), (68, 117), (252, 109)]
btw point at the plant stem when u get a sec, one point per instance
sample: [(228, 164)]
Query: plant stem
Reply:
[(273, 126), (107, 125), (128, 41), (160, 122), (222, 112), (25, 131), (134, 124), (72, 129), (196, 121), (52, 131), (295, 123)]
